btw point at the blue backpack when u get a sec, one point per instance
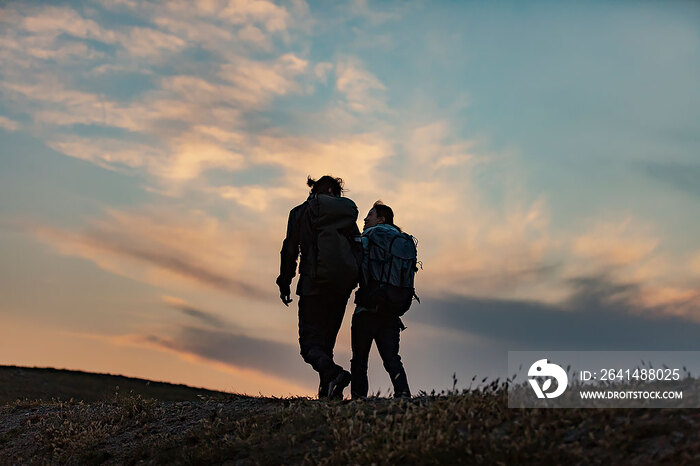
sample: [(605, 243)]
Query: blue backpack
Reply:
[(389, 268)]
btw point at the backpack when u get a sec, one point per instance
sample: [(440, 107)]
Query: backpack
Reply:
[(338, 244), (389, 268)]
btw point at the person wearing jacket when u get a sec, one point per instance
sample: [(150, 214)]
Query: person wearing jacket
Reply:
[(321, 303), (373, 323)]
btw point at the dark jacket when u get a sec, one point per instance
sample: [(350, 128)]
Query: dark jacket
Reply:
[(301, 238)]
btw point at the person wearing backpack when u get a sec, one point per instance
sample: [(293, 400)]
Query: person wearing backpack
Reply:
[(323, 229), (386, 291)]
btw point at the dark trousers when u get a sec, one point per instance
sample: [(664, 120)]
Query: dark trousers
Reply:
[(368, 326), (320, 316)]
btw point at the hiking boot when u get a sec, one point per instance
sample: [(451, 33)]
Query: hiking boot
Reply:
[(338, 384)]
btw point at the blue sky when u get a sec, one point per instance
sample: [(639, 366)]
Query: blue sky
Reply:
[(545, 154)]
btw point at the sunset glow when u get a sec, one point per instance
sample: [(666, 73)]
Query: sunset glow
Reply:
[(545, 154)]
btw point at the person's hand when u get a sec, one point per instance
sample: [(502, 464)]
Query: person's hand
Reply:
[(285, 293)]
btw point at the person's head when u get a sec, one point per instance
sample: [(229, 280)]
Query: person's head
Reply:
[(379, 213), (326, 185)]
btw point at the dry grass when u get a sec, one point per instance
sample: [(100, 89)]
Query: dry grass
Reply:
[(455, 428)]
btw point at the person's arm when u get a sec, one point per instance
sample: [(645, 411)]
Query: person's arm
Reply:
[(288, 257)]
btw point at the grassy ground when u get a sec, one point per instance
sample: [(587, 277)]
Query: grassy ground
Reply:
[(450, 428), (454, 429)]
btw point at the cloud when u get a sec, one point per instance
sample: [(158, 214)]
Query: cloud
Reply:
[(165, 249), (51, 103), (363, 91), (628, 251), (205, 120), (148, 42), (194, 120), (187, 101), (50, 92), (680, 176), (195, 123), (191, 156), (504, 252), (220, 134), (431, 148), (256, 198), (260, 81), (190, 344), (139, 42), (8, 124), (374, 16), (115, 4), (143, 42), (63, 20), (184, 158), (618, 243), (203, 316), (695, 263), (303, 155), (47, 48), (271, 358), (223, 27), (255, 36), (469, 245), (321, 71), (271, 16), (672, 300), (194, 30), (107, 153), (473, 246), (600, 315)]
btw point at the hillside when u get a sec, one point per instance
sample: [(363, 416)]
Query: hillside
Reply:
[(36, 383), (450, 428)]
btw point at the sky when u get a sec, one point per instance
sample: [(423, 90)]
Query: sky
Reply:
[(545, 154)]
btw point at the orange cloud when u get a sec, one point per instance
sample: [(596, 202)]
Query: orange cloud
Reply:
[(256, 198), (107, 153), (194, 30), (141, 42), (184, 158), (191, 155), (57, 20), (257, 82), (627, 252), (673, 300), (301, 156), (137, 41), (255, 36), (273, 17), (170, 251), (615, 244)]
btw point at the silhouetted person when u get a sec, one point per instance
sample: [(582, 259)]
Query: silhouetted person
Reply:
[(386, 291), (324, 230)]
